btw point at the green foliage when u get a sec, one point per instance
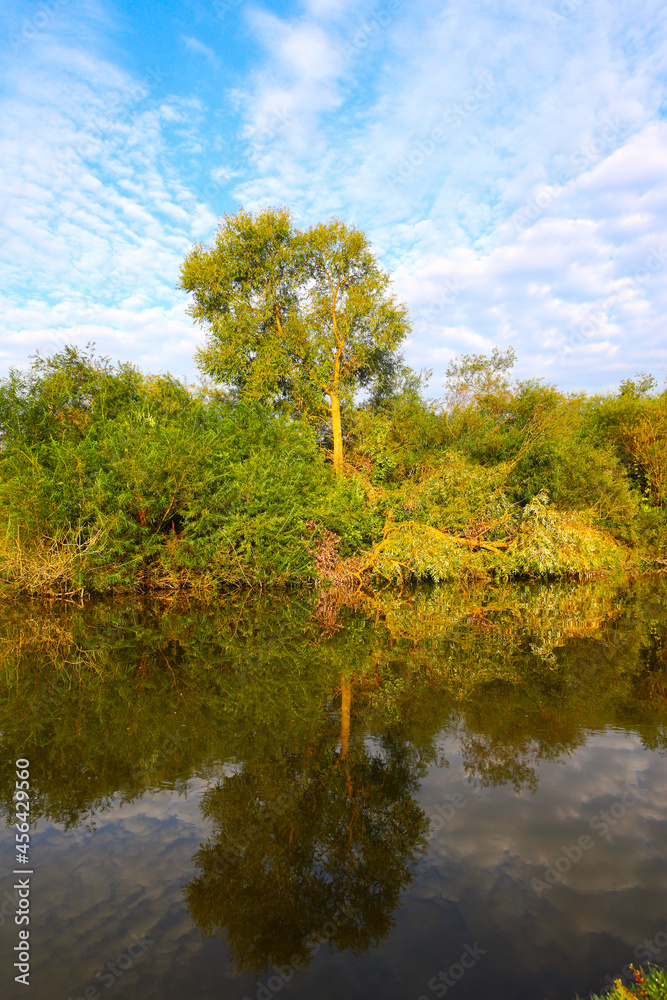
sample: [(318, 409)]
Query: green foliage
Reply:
[(397, 436), (360, 831), (169, 489), (60, 396), (291, 314), (634, 423), (250, 678), (549, 543), (293, 317), (413, 552), (301, 832), (454, 495), (538, 542), (113, 479), (606, 455), (650, 982), (474, 378), (245, 292), (546, 437)]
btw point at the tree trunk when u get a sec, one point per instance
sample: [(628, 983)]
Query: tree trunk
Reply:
[(337, 429), (345, 713)]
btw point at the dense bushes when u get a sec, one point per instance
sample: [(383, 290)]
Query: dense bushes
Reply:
[(536, 542), (602, 455), (113, 479)]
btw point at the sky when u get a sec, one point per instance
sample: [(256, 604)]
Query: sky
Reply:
[(507, 159)]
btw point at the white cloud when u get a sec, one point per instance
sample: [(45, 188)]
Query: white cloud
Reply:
[(513, 180), (194, 45), (511, 174), (96, 220), (328, 8), (300, 81)]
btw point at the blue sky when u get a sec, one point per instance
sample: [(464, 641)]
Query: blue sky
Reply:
[(508, 159)]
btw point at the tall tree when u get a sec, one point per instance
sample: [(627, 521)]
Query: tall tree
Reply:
[(481, 379), (303, 317)]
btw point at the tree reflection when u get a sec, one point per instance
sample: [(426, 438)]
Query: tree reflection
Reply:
[(110, 699), (316, 843)]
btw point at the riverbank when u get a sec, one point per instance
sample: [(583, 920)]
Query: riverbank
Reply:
[(114, 481)]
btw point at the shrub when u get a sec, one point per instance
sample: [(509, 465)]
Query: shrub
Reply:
[(650, 982), (165, 488), (551, 543)]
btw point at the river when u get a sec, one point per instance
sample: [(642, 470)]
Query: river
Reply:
[(450, 792)]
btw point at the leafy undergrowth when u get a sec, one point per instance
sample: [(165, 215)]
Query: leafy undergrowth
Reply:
[(536, 542), (116, 481), (650, 982)]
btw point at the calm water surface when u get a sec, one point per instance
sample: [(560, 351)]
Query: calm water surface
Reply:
[(447, 793)]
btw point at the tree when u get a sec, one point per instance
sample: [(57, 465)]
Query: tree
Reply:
[(61, 396), (480, 379), (297, 317), (635, 422)]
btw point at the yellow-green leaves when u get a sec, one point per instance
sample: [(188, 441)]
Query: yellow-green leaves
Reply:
[(296, 317)]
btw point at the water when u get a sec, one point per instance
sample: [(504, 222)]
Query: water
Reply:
[(447, 793)]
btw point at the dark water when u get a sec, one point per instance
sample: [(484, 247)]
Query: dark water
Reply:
[(301, 799)]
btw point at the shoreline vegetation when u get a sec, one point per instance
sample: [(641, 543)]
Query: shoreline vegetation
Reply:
[(647, 981), (115, 481), (310, 455)]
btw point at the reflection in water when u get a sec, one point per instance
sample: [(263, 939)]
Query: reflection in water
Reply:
[(320, 759), (318, 843)]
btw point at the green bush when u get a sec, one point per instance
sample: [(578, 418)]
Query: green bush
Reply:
[(550, 543), (165, 487), (110, 478)]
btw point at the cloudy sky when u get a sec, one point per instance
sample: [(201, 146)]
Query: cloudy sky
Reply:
[(508, 158)]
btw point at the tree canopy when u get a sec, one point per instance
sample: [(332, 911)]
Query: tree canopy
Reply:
[(302, 318)]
